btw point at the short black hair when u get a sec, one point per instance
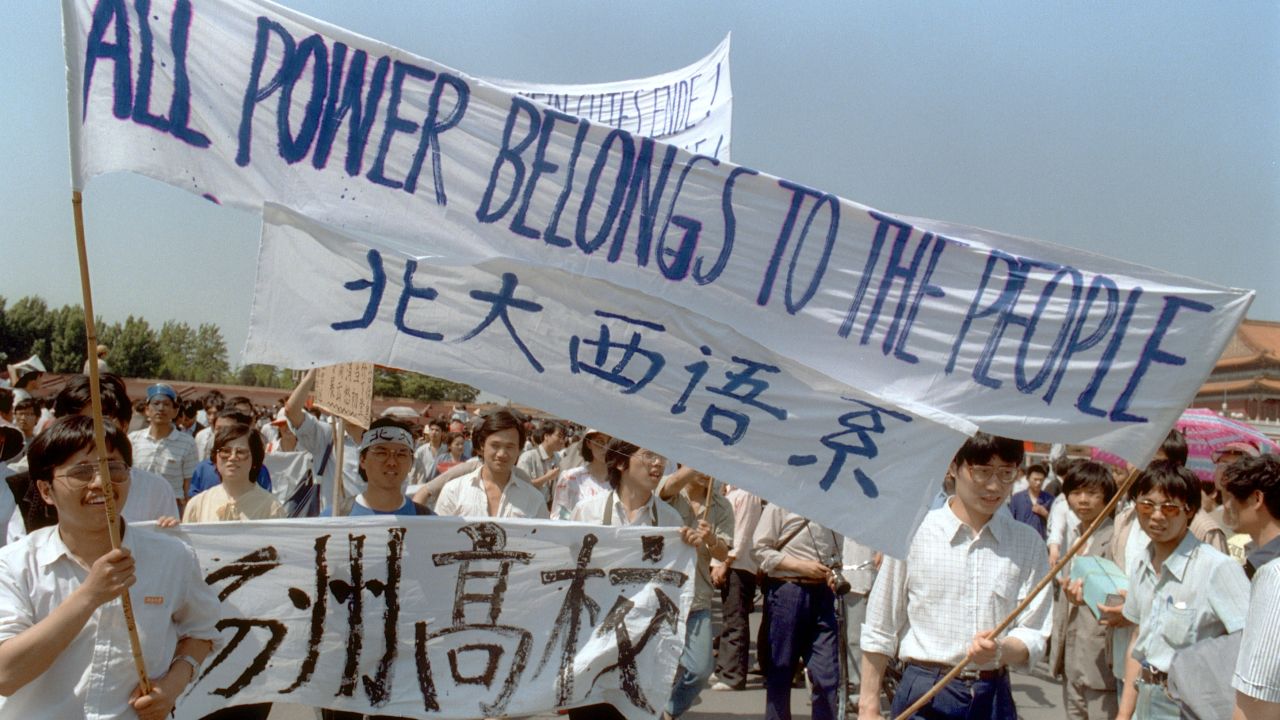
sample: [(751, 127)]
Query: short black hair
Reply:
[(27, 403), (1172, 479), (1089, 475), (213, 401), (543, 428), (74, 398), (1037, 467), (6, 400), (67, 436), (234, 432), (1175, 447), (240, 400), (1261, 473), (979, 449), (617, 452), (236, 417), (494, 422)]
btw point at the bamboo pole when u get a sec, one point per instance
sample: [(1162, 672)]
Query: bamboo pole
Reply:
[(1040, 586), (706, 504), (100, 435), (340, 472)]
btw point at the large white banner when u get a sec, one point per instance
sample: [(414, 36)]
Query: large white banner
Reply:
[(691, 108), (244, 101), (431, 617), (614, 359)]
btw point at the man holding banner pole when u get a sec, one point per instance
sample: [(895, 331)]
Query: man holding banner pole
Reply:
[(969, 566)]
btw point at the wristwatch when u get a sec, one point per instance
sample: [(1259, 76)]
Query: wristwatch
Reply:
[(195, 665)]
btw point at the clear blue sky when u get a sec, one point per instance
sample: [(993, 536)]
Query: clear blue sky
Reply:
[(1148, 131)]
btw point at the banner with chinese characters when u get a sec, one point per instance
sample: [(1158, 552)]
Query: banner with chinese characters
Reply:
[(346, 390), (618, 360), (691, 108), (429, 617), (245, 101)]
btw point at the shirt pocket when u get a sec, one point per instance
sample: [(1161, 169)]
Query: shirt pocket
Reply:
[(1178, 625)]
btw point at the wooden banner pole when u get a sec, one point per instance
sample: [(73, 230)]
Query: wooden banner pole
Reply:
[(340, 474), (1040, 586), (100, 434)]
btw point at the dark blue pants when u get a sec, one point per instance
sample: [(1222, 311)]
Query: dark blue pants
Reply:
[(959, 700), (802, 624)]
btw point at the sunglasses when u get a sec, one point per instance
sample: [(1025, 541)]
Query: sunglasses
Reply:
[(1146, 508), (83, 474)]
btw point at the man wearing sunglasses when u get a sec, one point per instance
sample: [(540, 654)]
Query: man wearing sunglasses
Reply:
[(968, 567), (1181, 590)]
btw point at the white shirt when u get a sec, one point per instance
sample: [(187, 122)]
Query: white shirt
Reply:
[(315, 437), (172, 457), (746, 515), (1060, 523), (288, 468), (204, 443), (465, 496), (1258, 665), (592, 510), (954, 585), (537, 462), (94, 676), (572, 488)]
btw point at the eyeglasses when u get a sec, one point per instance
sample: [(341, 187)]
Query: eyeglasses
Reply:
[(1146, 508), (83, 474), (986, 473), (228, 453), (383, 454), (649, 457)]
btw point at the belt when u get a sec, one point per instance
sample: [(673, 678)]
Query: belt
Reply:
[(1152, 676), (796, 580), (967, 675)]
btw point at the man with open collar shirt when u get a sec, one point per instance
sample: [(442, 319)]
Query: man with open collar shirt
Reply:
[(801, 562), (968, 567)]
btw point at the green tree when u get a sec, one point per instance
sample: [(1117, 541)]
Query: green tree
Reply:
[(177, 342), (67, 343), (386, 383), (428, 388), (26, 329), (135, 351), (209, 355)]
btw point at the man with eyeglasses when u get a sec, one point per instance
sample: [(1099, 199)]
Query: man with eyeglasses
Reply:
[(159, 447), (64, 649), (968, 567), (386, 456), (1181, 590)]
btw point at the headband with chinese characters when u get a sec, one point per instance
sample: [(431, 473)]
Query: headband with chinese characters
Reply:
[(386, 434)]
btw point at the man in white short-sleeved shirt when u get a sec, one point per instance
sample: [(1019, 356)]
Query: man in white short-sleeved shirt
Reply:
[(64, 647), (1251, 504), (493, 490), (160, 448)]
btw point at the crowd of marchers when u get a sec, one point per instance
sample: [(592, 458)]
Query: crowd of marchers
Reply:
[(1171, 608)]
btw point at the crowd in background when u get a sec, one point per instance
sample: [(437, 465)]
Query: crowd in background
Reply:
[(1184, 623)]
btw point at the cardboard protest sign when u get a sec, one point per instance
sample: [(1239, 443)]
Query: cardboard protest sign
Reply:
[(614, 359), (418, 617), (346, 390), (691, 108), (244, 101)]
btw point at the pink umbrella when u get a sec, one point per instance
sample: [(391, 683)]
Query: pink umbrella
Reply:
[(1206, 431)]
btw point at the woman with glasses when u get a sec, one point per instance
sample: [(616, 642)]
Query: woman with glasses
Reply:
[(237, 456), (64, 647), (1181, 590)]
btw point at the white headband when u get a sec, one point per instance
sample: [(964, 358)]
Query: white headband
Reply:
[(386, 434)]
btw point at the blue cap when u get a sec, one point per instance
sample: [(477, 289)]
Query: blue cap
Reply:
[(161, 390)]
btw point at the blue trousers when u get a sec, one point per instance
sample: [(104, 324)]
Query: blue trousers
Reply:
[(695, 663), (959, 700), (802, 624)]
